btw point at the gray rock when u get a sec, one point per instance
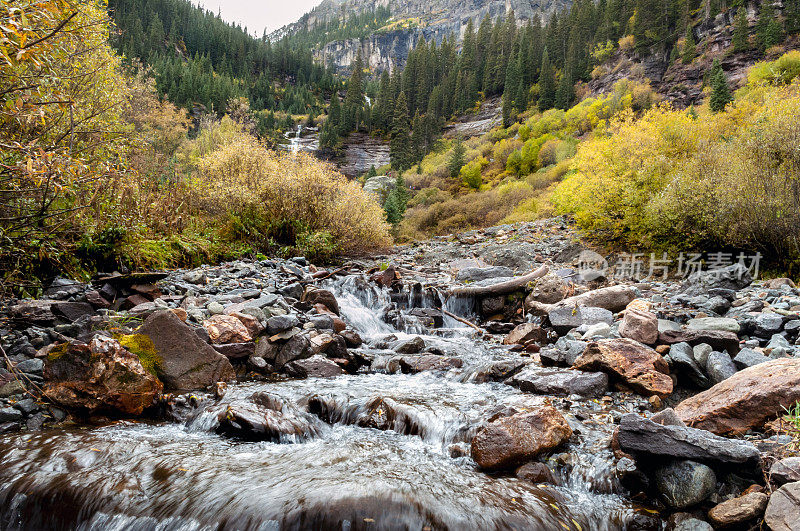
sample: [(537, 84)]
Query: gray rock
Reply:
[(562, 382), (733, 277), (597, 330), (313, 367), (682, 356), (765, 325), (714, 323), (410, 346), (785, 471), (195, 277), (27, 406), (9, 414), (748, 357), (701, 352), (685, 484), (281, 323), (783, 510), (475, 274), (32, 366), (294, 290), (564, 319), (719, 367), (664, 325), (640, 436), (693, 524), (322, 322), (215, 308)]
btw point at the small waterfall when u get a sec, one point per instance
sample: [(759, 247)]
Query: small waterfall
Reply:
[(294, 141), (362, 304)]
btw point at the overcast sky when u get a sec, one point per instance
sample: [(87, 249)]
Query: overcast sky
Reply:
[(259, 14)]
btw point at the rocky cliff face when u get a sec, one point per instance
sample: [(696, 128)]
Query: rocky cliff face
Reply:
[(412, 20), (682, 84)]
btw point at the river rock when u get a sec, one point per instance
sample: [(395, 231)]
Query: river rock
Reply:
[(685, 484), (253, 325), (785, 471), (536, 473), (714, 323), (639, 325), (547, 290), (682, 356), (280, 352), (524, 333), (99, 376), (637, 366), (226, 329), (739, 510), (38, 311), (783, 509), (313, 367), (280, 323), (733, 277), (719, 340), (746, 400), (748, 357), (476, 274), (185, 361), (562, 382), (264, 418), (410, 346), (509, 441), (564, 319), (428, 362), (321, 296), (719, 366), (640, 436)]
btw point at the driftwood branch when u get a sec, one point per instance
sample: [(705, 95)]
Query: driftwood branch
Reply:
[(462, 320), (501, 288)]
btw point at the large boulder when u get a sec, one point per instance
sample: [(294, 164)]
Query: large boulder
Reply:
[(183, 361), (563, 318), (718, 339), (100, 376), (547, 290), (639, 325), (321, 296), (265, 417), (746, 400), (783, 510), (631, 363), (612, 298), (509, 441), (282, 351), (313, 367), (643, 437), (428, 362), (786, 470)]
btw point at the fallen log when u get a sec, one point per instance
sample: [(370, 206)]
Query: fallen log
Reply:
[(612, 298), (462, 320), (501, 288)]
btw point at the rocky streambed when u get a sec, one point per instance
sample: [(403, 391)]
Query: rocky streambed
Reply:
[(452, 384)]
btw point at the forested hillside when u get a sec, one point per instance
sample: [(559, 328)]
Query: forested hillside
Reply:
[(198, 59)]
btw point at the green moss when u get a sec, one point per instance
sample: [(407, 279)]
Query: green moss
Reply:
[(145, 350), (58, 351)]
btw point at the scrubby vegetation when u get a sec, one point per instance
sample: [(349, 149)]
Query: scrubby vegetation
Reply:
[(98, 173), (686, 180), (507, 174)]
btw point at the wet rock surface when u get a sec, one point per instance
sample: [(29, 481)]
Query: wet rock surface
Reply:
[(308, 381)]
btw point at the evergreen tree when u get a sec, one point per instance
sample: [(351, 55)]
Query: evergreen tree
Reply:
[(399, 145), (418, 147), (456, 157), (720, 92), (566, 90), (329, 136), (372, 172), (741, 31), (354, 98), (768, 29), (689, 46), (791, 11), (335, 113), (547, 83), (396, 201)]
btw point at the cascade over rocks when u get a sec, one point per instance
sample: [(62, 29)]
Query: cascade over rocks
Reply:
[(100, 376)]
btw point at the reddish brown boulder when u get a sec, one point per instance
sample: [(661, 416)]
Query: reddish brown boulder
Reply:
[(321, 296), (631, 363), (100, 376), (739, 510), (509, 441), (639, 325), (746, 400), (253, 325), (226, 329), (525, 333)]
